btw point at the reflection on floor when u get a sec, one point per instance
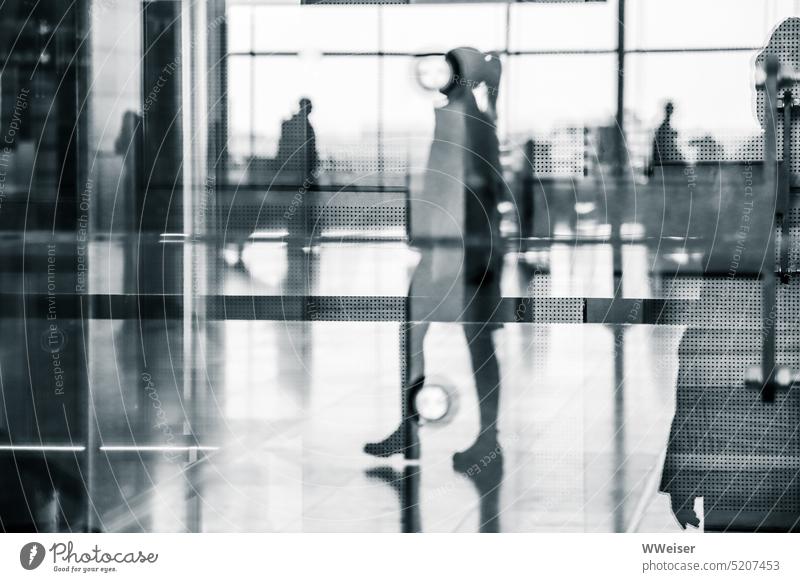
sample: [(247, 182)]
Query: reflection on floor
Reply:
[(296, 402)]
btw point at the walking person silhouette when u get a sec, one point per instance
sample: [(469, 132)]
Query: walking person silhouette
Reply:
[(455, 225)]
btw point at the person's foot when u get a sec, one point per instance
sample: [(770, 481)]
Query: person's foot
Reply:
[(405, 439), (480, 456), (398, 443), (684, 511)]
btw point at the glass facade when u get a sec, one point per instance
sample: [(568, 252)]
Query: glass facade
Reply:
[(213, 282)]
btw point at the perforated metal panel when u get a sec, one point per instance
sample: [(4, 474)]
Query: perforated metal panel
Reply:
[(726, 444), (560, 153), (374, 216), (364, 158)]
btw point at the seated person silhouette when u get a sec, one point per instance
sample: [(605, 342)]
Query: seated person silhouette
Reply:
[(455, 225), (727, 445)]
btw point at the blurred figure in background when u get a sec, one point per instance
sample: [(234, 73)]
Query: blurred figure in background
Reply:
[(665, 141), (297, 165), (297, 145)]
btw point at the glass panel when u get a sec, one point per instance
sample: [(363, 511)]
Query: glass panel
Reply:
[(422, 29), (308, 28), (563, 26), (537, 102), (712, 93), (652, 24)]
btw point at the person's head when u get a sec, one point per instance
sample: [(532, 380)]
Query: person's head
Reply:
[(781, 52), (467, 66), (305, 106), (669, 108)]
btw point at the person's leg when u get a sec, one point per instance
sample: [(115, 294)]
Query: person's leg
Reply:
[(415, 354), (486, 373), (405, 439), (239, 264)]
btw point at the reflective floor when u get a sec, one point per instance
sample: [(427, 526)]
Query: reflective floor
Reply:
[(240, 424)]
